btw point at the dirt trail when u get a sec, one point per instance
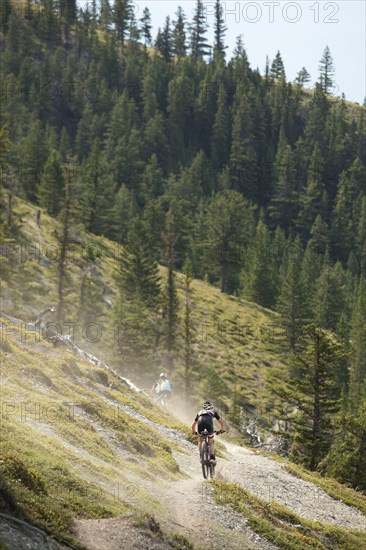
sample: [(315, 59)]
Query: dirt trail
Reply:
[(190, 510), (187, 507)]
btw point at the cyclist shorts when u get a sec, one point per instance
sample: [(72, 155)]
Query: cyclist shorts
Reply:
[(201, 426)]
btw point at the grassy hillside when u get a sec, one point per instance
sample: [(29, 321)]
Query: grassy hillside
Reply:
[(236, 343), (75, 440), (77, 443)]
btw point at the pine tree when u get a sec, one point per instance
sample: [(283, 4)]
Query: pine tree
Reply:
[(280, 248), (96, 190), (179, 34), (310, 272), (52, 186), (180, 99), (146, 27), (106, 15), (361, 135), (123, 140), (135, 59), (243, 156), (315, 127), (154, 222), (346, 460), (152, 180), (319, 241), (164, 41), (283, 207), (357, 173), (85, 133), (188, 329), (186, 193), (313, 392), (277, 67), (156, 140), (361, 237), (227, 214), (150, 92), (220, 143), (292, 302), (136, 312), (199, 46), (303, 77), (48, 26), (358, 344), (6, 8), (68, 11), (240, 65), (326, 71), (122, 13), (125, 210), (313, 199), (330, 298), (34, 155), (10, 221), (343, 221), (170, 295), (11, 58), (220, 29), (260, 281), (138, 271)]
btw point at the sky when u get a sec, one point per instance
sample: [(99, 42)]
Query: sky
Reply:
[(299, 30)]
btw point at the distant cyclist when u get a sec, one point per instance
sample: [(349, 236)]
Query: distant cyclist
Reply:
[(162, 388), (205, 421)]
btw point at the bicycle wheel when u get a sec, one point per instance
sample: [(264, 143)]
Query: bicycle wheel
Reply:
[(205, 459), (212, 470)]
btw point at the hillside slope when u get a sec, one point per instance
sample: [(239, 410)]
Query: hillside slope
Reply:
[(79, 446), (241, 338)]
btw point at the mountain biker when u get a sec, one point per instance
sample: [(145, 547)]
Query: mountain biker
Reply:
[(204, 421), (163, 387)]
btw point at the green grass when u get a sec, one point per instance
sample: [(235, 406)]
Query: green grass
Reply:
[(68, 446), (283, 527)]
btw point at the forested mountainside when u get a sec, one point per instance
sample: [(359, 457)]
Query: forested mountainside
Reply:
[(201, 163)]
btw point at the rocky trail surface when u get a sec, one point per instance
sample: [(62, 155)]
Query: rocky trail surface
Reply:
[(186, 506)]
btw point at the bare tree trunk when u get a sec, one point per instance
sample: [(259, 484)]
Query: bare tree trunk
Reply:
[(64, 244), (316, 413), (224, 270)]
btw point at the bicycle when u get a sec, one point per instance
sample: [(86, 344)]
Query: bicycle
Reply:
[(163, 399), (207, 466)]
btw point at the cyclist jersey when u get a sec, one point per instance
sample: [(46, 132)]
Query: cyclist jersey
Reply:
[(207, 415), (165, 386)]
